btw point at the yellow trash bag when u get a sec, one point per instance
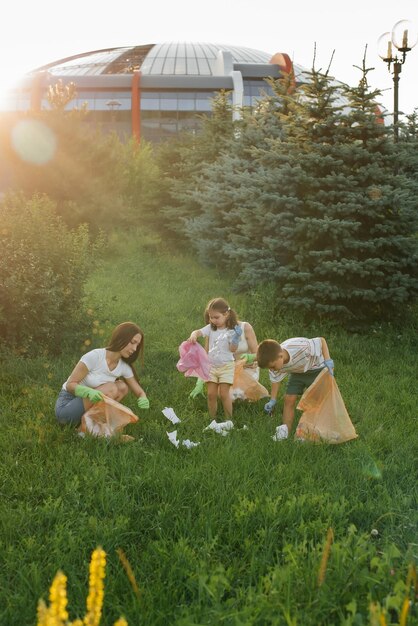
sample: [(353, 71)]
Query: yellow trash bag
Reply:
[(106, 418), (324, 416), (245, 386)]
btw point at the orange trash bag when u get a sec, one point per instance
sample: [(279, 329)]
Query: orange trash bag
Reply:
[(324, 416), (106, 418), (245, 387)]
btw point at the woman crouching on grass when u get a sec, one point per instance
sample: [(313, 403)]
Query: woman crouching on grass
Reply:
[(104, 371)]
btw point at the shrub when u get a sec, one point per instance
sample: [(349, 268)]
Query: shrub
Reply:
[(42, 270), (58, 154)]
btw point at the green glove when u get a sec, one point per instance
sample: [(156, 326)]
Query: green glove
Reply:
[(94, 395), (198, 389), (249, 358), (143, 403)]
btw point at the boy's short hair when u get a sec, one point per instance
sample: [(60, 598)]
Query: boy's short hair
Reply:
[(267, 352)]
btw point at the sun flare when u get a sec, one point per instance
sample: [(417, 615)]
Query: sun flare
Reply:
[(10, 78)]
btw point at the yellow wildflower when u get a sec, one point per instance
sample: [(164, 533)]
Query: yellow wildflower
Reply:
[(404, 612), (56, 614), (96, 588), (121, 622), (42, 613), (58, 597)]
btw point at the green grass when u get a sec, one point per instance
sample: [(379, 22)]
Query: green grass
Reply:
[(231, 532)]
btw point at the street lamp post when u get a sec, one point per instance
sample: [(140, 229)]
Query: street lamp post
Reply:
[(401, 40)]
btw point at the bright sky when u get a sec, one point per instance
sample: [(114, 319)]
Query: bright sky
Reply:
[(35, 33)]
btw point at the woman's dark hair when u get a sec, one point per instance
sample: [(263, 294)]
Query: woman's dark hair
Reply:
[(120, 338), (221, 306)]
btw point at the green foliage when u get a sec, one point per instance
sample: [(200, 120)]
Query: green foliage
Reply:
[(56, 152), (233, 531), (141, 182), (43, 267), (313, 197), (182, 164)]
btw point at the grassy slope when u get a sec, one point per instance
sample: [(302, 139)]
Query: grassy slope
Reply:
[(231, 532)]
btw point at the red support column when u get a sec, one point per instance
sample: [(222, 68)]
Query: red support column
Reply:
[(136, 105)]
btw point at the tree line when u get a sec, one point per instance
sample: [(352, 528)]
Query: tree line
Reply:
[(307, 197)]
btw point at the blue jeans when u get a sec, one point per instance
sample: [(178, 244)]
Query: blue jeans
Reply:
[(69, 408)]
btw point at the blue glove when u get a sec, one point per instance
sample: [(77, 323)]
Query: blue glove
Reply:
[(237, 335), (329, 363), (269, 406)]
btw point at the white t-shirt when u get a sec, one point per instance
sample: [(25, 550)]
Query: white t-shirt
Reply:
[(243, 344), (219, 340), (99, 372), (305, 354)]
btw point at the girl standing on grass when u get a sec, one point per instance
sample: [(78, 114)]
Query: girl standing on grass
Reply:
[(223, 332), (104, 371)]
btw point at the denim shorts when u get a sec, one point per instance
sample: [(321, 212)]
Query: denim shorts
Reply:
[(69, 408), (299, 382)]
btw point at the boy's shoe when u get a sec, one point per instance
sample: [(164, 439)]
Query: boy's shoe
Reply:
[(282, 432)]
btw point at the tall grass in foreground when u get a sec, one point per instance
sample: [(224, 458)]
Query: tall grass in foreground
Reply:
[(233, 531)]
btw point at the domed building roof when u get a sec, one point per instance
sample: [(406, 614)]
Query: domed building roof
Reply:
[(175, 58), (196, 59), (156, 90)]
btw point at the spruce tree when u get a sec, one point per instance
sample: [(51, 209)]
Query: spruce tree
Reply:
[(356, 256), (238, 197), (312, 196), (182, 162), (353, 256)]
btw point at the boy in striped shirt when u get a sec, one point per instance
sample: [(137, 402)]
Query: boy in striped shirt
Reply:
[(302, 359)]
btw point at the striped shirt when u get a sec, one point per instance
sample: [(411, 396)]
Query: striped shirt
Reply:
[(305, 354)]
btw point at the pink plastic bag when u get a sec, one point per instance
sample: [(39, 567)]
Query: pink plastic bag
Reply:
[(106, 418), (194, 360)]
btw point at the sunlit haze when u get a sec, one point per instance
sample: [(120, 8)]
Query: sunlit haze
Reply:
[(34, 34)]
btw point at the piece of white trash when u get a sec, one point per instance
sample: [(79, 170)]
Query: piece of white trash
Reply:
[(190, 444), (222, 428), (173, 438), (170, 415), (237, 393), (281, 433)]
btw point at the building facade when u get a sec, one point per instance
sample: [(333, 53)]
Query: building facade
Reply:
[(154, 91)]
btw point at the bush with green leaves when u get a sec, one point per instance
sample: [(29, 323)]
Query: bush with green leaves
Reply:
[(60, 153), (141, 183), (43, 267)]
